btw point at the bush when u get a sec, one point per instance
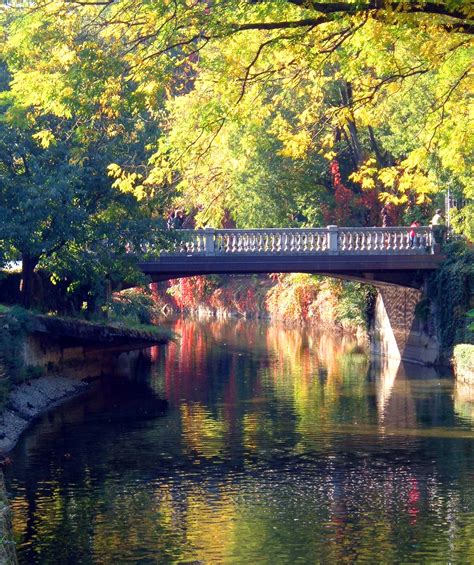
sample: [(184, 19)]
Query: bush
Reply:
[(292, 296), (354, 303), (136, 306), (463, 357)]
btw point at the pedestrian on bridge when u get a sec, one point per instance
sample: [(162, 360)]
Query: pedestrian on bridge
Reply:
[(438, 226), (413, 235), (175, 219)]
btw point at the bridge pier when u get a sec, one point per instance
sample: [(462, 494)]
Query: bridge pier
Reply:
[(398, 331)]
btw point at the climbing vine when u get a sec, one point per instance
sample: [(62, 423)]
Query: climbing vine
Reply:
[(451, 289)]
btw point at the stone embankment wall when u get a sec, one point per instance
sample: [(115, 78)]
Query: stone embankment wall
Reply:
[(400, 331), (68, 355), (7, 547)]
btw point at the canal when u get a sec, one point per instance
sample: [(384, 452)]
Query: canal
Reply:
[(275, 446)]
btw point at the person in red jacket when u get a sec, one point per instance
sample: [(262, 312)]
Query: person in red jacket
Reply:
[(413, 236)]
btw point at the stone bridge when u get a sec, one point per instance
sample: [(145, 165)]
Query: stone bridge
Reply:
[(379, 256)]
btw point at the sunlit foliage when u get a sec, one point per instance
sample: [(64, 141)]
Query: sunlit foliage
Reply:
[(256, 99)]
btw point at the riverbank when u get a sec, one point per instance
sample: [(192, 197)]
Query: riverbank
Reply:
[(29, 400), (46, 360), (294, 299)]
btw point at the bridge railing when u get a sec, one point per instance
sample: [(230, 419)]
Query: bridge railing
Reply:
[(332, 240)]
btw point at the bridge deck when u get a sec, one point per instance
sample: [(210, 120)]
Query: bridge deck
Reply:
[(381, 255)]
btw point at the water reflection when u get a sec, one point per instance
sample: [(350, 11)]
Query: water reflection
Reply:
[(277, 446)]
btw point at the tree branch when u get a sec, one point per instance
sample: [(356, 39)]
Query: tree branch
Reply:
[(430, 8), (307, 22), (463, 24)]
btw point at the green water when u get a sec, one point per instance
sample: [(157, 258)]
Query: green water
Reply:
[(277, 447)]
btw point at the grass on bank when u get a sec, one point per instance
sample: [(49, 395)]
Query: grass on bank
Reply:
[(128, 310)]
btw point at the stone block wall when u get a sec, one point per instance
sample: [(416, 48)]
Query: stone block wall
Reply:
[(398, 332)]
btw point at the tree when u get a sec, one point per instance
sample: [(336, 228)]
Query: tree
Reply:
[(58, 208), (379, 85)]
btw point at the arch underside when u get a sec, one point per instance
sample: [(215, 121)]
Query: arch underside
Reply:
[(400, 270)]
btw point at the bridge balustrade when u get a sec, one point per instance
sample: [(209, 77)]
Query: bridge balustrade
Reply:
[(332, 240)]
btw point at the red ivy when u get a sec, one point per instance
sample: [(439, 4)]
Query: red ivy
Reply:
[(343, 196)]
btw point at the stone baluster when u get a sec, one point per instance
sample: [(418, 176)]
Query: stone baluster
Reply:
[(377, 245), (332, 240), (342, 241), (396, 241)]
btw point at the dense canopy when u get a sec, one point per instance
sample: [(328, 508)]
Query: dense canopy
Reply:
[(260, 113)]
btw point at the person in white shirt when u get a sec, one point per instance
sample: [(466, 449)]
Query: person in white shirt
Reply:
[(438, 225)]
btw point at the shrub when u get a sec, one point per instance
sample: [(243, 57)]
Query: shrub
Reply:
[(136, 306), (463, 357), (354, 301)]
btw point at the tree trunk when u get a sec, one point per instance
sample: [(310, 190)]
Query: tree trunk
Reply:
[(353, 137), (27, 277)]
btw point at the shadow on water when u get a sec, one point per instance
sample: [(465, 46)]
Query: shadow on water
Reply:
[(276, 446)]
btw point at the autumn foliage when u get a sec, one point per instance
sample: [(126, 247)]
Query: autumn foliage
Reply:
[(293, 298)]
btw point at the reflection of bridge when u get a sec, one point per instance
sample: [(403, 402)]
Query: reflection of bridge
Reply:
[(378, 255)]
